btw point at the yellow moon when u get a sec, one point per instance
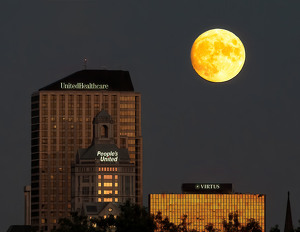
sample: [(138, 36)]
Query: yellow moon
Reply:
[(218, 55)]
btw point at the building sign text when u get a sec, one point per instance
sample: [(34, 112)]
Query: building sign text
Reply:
[(111, 156), (83, 86)]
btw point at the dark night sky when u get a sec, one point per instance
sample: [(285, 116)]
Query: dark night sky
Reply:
[(245, 131)]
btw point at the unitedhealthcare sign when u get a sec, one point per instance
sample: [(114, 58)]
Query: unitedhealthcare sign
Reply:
[(83, 86)]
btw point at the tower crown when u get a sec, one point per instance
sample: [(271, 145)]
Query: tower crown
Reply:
[(102, 117), (103, 128)]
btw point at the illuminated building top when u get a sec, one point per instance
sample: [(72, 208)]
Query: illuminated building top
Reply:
[(103, 149), (93, 80)]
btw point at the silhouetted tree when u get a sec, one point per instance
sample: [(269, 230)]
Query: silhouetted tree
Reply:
[(252, 226), (210, 228), (164, 224), (77, 223), (298, 228), (233, 224), (134, 218), (275, 229), (102, 224)]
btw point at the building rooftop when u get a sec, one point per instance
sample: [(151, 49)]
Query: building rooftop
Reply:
[(102, 116), (93, 80), (98, 208)]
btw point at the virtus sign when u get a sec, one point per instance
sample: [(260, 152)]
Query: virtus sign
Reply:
[(207, 186), (111, 156), (81, 85)]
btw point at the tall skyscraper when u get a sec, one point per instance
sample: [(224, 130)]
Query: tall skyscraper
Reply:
[(61, 122)]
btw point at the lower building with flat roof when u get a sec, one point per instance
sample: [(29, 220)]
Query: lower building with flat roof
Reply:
[(208, 204)]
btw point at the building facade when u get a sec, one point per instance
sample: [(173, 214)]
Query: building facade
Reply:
[(204, 208), (102, 172), (61, 123)]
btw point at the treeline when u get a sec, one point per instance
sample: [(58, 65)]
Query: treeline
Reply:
[(230, 225), (276, 228), (133, 218)]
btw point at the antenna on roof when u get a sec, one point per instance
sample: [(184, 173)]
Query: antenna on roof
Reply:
[(85, 63)]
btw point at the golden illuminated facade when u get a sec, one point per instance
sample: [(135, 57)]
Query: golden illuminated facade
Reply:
[(202, 209), (61, 123)]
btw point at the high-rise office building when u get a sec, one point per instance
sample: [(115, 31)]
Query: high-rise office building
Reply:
[(209, 203), (61, 123)]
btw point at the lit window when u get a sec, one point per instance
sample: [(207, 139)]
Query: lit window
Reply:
[(104, 216), (116, 184), (99, 176), (107, 177), (116, 177), (99, 199), (107, 185), (107, 191), (99, 184), (116, 199), (107, 199), (116, 191), (99, 191)]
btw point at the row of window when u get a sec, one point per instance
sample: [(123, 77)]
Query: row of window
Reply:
[(107, 184), (127, 120), (127, 106), (97, 97), (108, 199), (105, 192), (208, 208), (107, 169), (107, 177)]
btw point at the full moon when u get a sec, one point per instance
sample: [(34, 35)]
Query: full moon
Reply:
[(218, 55)]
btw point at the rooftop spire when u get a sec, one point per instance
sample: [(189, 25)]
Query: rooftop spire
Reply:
[(85, 63), (288, 217)]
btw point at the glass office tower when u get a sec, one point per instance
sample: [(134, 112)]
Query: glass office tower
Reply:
[(209, 203), (61, 123)]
